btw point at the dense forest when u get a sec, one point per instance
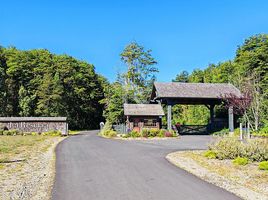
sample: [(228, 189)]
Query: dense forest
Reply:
[(39, 83)]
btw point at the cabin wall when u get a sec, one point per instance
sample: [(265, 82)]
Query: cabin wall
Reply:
[(139, 122)]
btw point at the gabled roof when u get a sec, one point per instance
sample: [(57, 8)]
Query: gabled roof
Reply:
[(194, 90), (32, 119), (143, 110)]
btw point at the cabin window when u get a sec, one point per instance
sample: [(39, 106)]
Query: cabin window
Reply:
[(150, 122)]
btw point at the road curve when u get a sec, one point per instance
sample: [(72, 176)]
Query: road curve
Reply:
[(93, 168)]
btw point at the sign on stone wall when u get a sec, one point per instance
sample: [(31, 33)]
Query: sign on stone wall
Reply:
[(35, 124)]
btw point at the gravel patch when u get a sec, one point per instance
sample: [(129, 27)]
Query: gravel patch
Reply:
[(240, 187), (33, 177)]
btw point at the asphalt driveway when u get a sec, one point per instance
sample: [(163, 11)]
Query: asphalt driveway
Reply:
[(93, 168)]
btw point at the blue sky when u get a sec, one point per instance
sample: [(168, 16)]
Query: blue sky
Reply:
[(183, 35)]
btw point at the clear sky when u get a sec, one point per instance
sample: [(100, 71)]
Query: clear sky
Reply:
[(183, 35)]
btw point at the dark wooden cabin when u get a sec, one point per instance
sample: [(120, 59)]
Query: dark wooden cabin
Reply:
[(139, 116)]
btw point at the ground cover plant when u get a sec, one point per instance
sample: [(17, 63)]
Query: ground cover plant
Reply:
[(151, 133), (263, 165)]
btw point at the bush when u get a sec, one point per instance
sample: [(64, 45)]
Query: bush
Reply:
[(12, 132), (50, 133), (231, 148), (135, 134), (107, 130), (255, 150), (210, 154), (226, 132), (110, 133), (154, 132), (262, 132), (263, 165), (240, 161), (222, 132), (145, 132), (170, 133), (161, 133)]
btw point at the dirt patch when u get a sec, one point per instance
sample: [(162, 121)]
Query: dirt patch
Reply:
[(28, 172), (246, 182)]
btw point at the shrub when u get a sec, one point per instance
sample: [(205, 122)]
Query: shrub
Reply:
[(222, 132), (11, 132), (240, 161), (262, 132), (107, 130), (153, 132), (145, 132), (170, 133), (263, 165), (210, 154), (134, 134), (255, 149), (161, 133), (110, 133), (226, 148), (231, 148), (52, 133)]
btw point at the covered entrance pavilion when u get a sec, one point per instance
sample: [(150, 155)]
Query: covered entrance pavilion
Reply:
[(208, 94)]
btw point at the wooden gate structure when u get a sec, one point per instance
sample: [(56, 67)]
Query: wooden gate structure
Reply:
[(208, 94)]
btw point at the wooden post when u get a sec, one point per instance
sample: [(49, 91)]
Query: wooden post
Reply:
[(248, 131), (212, 117), (241, 131), (231, 120), (169, 117)]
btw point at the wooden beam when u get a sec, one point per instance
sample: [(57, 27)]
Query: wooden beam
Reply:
[(231, 119), (169, 117)]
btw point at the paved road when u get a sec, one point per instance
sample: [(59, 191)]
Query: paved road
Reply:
[(94, 168)]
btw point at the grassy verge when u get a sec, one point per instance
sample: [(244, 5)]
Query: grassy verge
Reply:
[(246, 181), (27, 166), (12, 147)]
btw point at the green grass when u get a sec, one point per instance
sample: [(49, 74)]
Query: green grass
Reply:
[(74, 132), (11, 146)]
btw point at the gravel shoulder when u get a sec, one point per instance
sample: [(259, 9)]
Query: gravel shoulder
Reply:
[(246, 182), (30, 172)]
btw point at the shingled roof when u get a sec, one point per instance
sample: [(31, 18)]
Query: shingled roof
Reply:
[(194, 90), (143, 110)]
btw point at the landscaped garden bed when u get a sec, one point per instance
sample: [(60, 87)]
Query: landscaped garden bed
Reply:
[(145, 133), (239, 167)]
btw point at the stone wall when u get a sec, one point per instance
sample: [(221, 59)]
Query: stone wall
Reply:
[(35, 124)]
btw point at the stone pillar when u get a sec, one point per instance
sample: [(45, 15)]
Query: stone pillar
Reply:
[(169, 117), (231, 119)]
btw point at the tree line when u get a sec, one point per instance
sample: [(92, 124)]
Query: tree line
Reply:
[(40, 83)]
